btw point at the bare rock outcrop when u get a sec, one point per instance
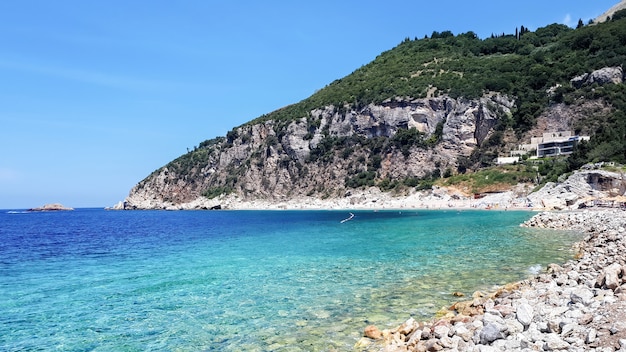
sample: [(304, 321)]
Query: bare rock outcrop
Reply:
[(319, 153), (579, 188), (606, 75)]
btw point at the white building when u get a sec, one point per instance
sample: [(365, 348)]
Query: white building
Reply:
[(551, 144), (558, 143)]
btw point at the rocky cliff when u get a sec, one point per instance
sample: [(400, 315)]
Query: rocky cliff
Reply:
[(328, 152)]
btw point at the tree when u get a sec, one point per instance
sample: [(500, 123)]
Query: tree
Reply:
[(580, 23)]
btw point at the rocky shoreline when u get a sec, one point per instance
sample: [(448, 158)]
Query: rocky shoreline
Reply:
[(579, 306)]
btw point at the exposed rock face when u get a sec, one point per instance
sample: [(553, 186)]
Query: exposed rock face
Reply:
[(578, 188), (570, 117), (609, 13), (278, 160), (614, 75)]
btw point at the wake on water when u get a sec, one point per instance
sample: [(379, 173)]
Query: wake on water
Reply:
[(535, 269)]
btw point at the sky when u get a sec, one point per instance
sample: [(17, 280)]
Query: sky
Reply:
[(95, 95)]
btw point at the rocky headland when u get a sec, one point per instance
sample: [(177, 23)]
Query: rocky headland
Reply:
[(587, 187), (577, 306)]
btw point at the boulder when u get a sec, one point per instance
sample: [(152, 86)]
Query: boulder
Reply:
[(606, 75), (490, 333), (579, 81), (373, 332), (409, 326), (525, 314), (582, 295), (611, 276), (555, 342)]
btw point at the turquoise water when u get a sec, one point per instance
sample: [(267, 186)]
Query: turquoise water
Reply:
[(247, 280)]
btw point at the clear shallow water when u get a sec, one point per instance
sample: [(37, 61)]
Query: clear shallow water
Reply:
[(247, 280)]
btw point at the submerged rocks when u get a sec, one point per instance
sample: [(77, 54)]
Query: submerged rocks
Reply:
[(577, 306)]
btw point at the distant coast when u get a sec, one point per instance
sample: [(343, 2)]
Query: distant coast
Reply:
[(579, 306)]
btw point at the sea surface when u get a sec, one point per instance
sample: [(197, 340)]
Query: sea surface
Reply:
[(101, 280)]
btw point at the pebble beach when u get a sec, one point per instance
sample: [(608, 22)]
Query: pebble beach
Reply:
[(577, 306)]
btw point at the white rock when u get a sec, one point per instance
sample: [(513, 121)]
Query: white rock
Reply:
[(554, 342), (591, 335), (441, 331), (525, 314), (582, 295), (464, 333), (611, 276)]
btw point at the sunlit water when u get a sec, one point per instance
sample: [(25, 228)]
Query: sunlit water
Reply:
[(247, 280)]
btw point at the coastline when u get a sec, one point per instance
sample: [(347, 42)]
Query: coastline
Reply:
[(366, 199), (577, 306)]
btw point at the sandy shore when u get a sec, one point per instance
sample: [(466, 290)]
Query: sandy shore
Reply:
[(579, 306)]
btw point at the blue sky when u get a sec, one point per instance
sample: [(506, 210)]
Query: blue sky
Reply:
[(95, 95)]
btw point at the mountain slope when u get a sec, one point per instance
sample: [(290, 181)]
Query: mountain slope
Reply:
[(428, 108), (610, 12)]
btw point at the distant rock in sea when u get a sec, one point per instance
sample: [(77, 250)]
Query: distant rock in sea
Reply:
[(52, 207)]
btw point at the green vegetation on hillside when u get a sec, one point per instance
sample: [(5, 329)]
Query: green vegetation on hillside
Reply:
[(524, 66)]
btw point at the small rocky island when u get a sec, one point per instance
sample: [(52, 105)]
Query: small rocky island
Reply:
[(52, 207)]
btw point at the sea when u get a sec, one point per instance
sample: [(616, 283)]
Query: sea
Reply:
[(97, 280)]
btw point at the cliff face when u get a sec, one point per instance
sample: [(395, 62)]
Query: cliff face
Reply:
[(328, 152)]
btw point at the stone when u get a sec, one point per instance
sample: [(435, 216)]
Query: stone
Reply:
[(611, 276), (408, 326), (493, 318), (433, 345), (554, 326), (585, 319), (555, 342), (362, 344), (543, 327), (568, 329), (591, 336), (441, 331), (490, 333), (426, 333), (606, 75), (373, 332), (573, 275), (582, 295), (447, 342), (525, 314), (579, 81), (464, 333), (513, 326), (617, 327)]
